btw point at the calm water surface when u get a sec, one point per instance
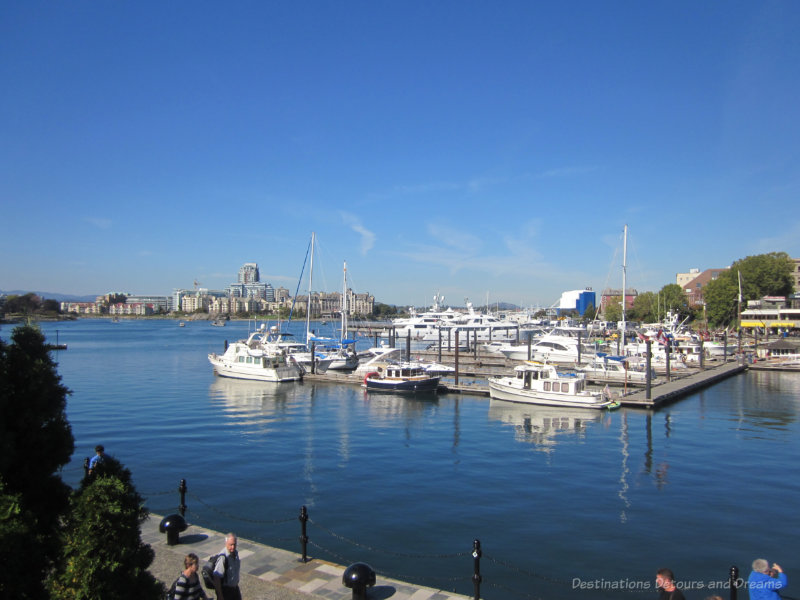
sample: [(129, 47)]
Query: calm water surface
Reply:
[(558, 499)]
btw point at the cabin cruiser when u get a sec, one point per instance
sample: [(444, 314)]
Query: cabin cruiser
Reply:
[(250, 359), (613, 369), (402, 377), (551, 349), (540, 383)]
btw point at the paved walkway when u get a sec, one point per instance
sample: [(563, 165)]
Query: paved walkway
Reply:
[(272, 573)]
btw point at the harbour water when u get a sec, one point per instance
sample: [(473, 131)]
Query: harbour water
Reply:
[(565, 504)]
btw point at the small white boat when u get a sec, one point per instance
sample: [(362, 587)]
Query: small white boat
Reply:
[(401, 378), (541, 383), (251, 360), (614, 369)]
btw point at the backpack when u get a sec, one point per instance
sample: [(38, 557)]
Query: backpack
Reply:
[(171, 591), (208, 569)]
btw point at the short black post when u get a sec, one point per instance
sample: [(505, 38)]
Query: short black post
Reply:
[(86, 467), (476, 574), (725, 347), (702, 350), (667, 349), (182, 490), (648, 378), (734, 582), (303, 537), (455, 359), (226, 344)]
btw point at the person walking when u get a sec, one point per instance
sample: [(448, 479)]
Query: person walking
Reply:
[(187, 586), (226, 571), (665, 582), (764, 582), (97, 460)]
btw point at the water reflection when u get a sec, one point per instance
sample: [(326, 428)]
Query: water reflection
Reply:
[(253, 404), (541, 425), (409, 407)]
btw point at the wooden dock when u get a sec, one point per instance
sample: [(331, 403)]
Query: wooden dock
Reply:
[(660, 394)]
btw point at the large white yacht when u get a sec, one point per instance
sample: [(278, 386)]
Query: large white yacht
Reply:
[(250, 359)]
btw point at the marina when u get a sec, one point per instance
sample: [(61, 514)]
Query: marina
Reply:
[(407, 483)]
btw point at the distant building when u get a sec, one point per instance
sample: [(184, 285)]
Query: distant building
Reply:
[(577, 300), (796, 274), (83, 308), (773, 313), (683, 278), (611, 295), (694, 288), (160, 303), (249, 284)]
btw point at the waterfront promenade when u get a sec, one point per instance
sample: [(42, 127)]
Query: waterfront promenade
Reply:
[(272, 573)]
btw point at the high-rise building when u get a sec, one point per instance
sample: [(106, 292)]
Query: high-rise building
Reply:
[(248, 273)]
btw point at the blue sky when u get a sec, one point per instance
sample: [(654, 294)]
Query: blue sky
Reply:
[(475, 149)]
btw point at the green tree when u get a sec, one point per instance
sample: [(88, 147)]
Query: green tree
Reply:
[(25, 304), (103, 555), (613, 309), (645, 307), (35, 441), (672, 297), (22, 550), (761, 275)]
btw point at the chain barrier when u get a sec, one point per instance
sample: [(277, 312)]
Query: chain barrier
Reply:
[(239, 518), (556, 580), (389, 552), (392, 575)]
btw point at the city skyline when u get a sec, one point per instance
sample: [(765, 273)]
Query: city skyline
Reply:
[(489, 152)]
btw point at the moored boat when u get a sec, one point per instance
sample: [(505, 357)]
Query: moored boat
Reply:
[(250, 360), (541, 383), (403, 378)]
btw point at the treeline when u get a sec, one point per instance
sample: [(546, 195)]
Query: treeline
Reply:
[(57, 543), (31, 304)]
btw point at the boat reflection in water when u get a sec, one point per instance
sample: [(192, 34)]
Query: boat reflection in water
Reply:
[(386, 406), (254, 403), (541, 425)]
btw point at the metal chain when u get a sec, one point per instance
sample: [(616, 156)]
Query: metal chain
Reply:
[(232, 516), (389, 552)]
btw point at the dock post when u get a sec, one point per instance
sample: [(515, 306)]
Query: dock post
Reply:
[(456, 358), (667, 350), (475, 343), (313, 358), (476, 569), (579, 347), (649, 375), (530, 341), (702, 350), (439, 329), (408, 345), (733, 580), (182, 490), (725, 347), (303, 537)]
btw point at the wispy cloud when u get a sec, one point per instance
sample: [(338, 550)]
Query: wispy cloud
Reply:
[(787, 240), (99, 222), (566, 171), (367, 237)]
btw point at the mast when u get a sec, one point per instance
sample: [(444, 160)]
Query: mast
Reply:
[(344, 303), (624, 275), (310, 277)]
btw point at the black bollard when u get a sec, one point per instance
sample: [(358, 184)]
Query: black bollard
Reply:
[(476, 572), (455, 359), (303, 537), (733, 581), (358, 577), (408, 345), (182, 490), (649, 375), (86, 467), (667, 350)]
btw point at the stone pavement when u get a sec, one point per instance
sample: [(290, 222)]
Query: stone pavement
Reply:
[(272, 573)]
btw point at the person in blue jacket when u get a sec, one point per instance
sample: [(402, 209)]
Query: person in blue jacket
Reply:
[(764, 582)]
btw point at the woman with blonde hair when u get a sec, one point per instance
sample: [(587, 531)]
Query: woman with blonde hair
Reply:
[(188, 586)]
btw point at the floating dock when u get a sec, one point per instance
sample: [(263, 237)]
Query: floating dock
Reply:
[(663, 392)]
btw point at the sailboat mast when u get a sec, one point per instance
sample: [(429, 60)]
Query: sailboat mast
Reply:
[(624, 276), (344, 303), (310, 278)]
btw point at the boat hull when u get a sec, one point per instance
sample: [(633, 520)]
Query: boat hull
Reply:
[(411, 386), (253, 372), (499, 390)]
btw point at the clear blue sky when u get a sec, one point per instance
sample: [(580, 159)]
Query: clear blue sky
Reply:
[(475, 149)]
